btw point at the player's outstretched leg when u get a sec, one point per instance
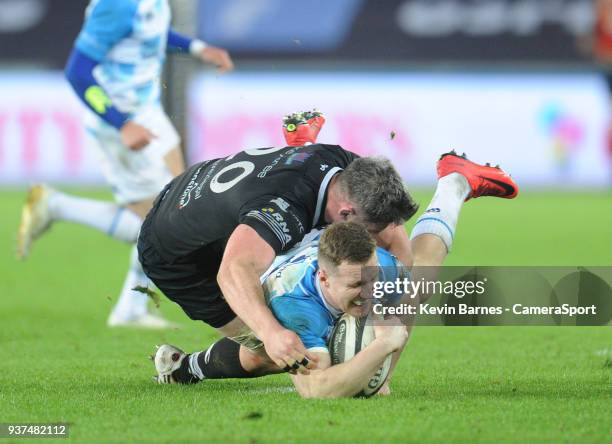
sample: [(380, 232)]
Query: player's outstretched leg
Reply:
[(484, 180), (459, 180), (223, 359), (302, 128), (44, 206)]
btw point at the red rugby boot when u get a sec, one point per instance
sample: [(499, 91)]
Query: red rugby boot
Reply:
[(484, 180), (302, 127)]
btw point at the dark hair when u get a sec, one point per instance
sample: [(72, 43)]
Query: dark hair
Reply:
[(346, 241), (376, 188)]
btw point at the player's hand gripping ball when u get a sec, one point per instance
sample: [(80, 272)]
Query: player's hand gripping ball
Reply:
[(349, 337)]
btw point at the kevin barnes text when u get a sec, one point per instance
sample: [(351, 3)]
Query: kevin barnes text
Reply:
[(465, 309)]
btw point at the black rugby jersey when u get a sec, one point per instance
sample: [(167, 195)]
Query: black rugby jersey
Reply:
[(279, 192)]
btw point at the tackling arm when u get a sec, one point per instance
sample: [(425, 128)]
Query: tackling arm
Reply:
[(245, 258)]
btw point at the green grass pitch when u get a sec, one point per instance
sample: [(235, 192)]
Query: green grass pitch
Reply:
[(59, 363)]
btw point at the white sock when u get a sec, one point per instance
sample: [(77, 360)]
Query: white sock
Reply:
[(442, 213), (118, 222), (132, 304)]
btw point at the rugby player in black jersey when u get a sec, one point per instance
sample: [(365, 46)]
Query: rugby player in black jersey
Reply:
[(216, 228)]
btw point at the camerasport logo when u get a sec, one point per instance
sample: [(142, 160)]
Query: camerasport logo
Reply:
[(566, 134)]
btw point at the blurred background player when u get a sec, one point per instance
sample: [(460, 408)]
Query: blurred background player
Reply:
[(115, 68)]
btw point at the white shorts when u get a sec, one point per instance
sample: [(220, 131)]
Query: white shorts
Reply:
[(134, 175)]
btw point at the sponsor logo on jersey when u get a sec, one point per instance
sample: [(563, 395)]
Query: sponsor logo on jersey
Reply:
[(281, 203), (298, 222), (275, 162), (297, 158), (186, 195), (275, 221), (206, 179)]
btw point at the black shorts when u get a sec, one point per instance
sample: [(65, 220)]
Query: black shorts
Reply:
[(191, 283)]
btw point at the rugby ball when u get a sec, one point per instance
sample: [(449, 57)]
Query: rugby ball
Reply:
[(349, 336)]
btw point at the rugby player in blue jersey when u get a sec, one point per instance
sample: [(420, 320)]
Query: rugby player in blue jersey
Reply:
[(311, 285), (115, 68), (307, 290)]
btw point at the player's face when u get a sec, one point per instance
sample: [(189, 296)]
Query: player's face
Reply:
[(348, 286)]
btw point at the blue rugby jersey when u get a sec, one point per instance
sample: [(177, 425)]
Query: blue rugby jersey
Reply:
[(294, 295), (128, 38)]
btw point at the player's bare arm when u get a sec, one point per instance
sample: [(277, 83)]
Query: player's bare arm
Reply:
[(246, 257), (349, 378)]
